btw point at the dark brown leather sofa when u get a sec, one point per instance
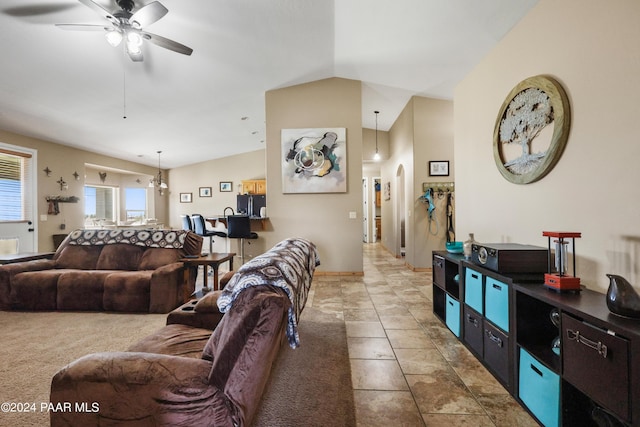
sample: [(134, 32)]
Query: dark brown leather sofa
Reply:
[(188, 375), (111, 270)]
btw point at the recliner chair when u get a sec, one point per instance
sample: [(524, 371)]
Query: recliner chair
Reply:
[(200, 228), (239, 227)]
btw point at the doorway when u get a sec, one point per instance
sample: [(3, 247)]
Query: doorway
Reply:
[(400, 225), (18, 182)]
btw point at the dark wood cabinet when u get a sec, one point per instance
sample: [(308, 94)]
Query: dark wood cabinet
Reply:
[(563, 356)]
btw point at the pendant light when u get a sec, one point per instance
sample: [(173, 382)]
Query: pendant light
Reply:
[(376, 156), (157, 181)]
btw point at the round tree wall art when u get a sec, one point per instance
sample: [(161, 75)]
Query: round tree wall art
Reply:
[(531, 130)]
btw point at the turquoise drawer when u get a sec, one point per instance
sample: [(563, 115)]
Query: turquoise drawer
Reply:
[(452, 315), (474, 290), (539, 389), (496, 303)]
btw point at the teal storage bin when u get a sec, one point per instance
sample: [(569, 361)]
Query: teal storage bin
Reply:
[(453, 315), (474, 290), (496, 303), (539, 389)]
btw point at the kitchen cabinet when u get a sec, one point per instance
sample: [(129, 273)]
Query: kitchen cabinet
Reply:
[(254, 186), (563, 356)]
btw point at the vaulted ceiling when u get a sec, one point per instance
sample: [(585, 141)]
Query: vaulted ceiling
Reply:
[(73, 88)]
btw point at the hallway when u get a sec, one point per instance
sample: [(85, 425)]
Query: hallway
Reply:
[(407, 368)]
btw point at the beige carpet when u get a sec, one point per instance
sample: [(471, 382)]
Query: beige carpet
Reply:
[(308, 386), (35, 345)]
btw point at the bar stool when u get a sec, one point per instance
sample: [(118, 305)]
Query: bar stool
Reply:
[(187, 224), (200, 228), (239, 227)]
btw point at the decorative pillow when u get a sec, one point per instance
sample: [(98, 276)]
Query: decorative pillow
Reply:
[(208, 303), (119, 256), (153, 258), (80, 257)]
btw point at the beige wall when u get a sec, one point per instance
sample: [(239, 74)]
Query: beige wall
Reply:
[(422, 132), (63, 161), (189, 179), (592, 48), (321, 218)]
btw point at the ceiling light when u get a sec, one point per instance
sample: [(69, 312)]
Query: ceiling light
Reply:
[(114, 37), (134, 42), (157, 181), (376, 156)]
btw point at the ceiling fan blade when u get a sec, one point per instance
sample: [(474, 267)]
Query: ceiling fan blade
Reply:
[(166, 43), (148, 14), (83, 27), (99, 9), (37, 10)]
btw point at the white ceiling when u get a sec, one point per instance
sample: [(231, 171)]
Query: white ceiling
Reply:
[(73, 88)]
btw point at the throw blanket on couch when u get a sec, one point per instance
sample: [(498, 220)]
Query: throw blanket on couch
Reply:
[(288, 265), (173, 239)]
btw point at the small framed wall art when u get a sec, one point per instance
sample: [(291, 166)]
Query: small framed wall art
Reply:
[(205, 191), (225, 186), (186, 197), (439, 168)]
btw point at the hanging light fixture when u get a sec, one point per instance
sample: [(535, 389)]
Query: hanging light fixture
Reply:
[(157, 181), (376, 156)]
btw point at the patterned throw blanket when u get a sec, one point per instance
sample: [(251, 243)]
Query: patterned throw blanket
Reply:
[(173, 239), (288, 265)]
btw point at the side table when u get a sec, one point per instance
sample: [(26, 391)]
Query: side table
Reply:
[(26, 256), (212, 260)]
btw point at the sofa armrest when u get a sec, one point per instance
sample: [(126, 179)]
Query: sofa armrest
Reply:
[(202, 313), (167, 283), (137, 388), (7, 272)]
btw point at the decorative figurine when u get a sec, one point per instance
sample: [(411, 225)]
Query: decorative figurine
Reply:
[(622, 298)]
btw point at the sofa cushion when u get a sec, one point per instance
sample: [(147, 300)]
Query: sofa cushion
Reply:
[(153, 258), (174, 340), (81, 289), (119, 256), (35, 290), (127, 291), (252, 328), (80, 257)]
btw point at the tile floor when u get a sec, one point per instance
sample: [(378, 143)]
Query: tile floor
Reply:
[(407, 368)]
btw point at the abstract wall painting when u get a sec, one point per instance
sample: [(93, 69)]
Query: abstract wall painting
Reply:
[(314, 160)]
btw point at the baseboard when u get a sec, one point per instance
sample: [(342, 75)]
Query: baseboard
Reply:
[(338, 273)]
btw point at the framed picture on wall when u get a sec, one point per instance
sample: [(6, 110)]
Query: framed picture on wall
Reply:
[(186, 197), (225, 186), (205, 191), (439, 168)]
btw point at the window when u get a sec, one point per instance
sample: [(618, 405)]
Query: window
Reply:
[(135, 203), (100, 204), (16, 186)]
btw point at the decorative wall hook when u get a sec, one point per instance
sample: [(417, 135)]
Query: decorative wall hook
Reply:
[(76, 175), (103, 176)]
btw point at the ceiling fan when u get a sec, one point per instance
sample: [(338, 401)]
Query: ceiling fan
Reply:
[(129, 27)]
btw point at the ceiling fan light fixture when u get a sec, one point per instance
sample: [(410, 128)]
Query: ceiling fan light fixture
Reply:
[(134, 42), (114, 37)]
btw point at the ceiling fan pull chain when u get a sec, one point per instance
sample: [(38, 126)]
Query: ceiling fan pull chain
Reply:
[(124, 92)]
